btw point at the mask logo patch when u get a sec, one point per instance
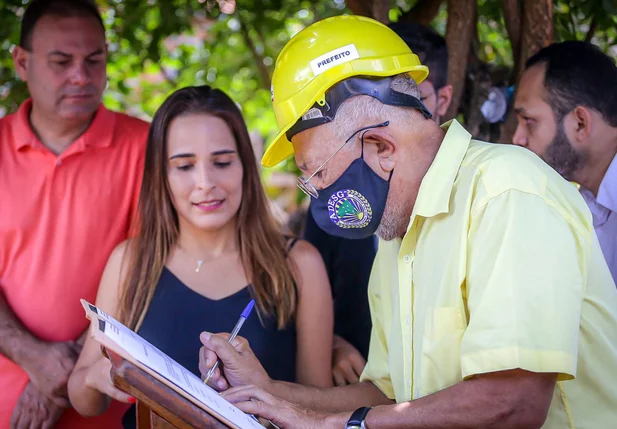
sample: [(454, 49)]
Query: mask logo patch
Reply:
[(349, 209)]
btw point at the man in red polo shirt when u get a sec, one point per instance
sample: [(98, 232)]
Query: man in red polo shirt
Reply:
[(70, 173)]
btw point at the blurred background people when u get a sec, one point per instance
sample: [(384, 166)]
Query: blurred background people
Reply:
[(568, 116)]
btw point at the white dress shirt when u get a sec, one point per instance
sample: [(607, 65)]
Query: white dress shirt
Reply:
[(604, 211)]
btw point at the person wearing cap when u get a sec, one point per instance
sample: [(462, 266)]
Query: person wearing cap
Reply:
[(491, 303), (566, 118), (349, 262)]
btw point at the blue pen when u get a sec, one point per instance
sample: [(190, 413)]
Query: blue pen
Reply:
[(245, 315)]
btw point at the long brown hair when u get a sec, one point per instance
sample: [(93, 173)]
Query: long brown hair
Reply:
[(263, 249)]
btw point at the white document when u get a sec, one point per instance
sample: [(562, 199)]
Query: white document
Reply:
[(151, 357)]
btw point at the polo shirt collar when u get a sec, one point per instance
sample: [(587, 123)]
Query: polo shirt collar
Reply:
[(436, 187), (23, 135), (99, 133)]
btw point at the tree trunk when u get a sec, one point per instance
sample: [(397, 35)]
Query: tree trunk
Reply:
[(536, 33), (477, 83), (423, 13), (381, 10), (360, 7), (459, 33), (537, 28), (376, 9), (512, 17)]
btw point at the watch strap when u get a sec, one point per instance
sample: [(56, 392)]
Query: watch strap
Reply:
[(357, 418)]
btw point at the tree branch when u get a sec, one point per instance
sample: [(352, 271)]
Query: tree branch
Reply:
[(171, 81), (423, 13), (259, 32), (592, 29), (264, 73), (459, 33), (512, 17), (571, 20)]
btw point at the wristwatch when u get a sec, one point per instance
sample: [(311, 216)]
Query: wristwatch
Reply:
[(356, 421)]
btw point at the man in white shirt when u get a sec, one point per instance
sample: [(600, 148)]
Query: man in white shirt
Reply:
[(567, 114)]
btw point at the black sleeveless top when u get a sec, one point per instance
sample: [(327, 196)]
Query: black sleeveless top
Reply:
[(177, 315)]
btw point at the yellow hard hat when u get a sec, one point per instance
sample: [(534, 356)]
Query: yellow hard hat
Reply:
[(324, 54)]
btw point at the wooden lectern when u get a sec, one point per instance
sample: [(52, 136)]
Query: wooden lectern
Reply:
[(158, 406)]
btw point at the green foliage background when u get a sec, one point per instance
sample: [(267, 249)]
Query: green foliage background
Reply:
[(157, 46)]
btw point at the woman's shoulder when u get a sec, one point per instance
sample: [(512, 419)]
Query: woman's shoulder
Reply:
[(299, 249), (308, 264), (118, 253), (121, 248), (117, 260), (108, 296)]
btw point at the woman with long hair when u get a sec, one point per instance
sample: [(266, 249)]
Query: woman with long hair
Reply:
[(204, 245)]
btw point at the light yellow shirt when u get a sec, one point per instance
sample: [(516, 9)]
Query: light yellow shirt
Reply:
[(500, 268)]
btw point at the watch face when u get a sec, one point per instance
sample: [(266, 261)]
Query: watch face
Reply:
[(354, 426)]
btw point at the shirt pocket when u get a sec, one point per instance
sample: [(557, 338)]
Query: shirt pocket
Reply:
[(440, 363), (442, 321)]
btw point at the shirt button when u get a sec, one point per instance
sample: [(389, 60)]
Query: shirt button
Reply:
[(408, 383), (59, 162), (407, 259), (408, 320)]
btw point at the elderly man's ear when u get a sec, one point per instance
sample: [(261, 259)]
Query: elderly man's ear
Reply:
[(379, 140)]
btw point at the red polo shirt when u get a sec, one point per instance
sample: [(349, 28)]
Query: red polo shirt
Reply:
[(61, 218)]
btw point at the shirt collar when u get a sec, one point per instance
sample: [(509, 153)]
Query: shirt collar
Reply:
[(436, 187), (607, 193), (99, 133), (23, 135)]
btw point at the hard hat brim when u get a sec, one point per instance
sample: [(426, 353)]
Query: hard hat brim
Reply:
[(281, 148)]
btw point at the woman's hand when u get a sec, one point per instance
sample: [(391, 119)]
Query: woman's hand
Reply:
[(99, 378), (347, 363)]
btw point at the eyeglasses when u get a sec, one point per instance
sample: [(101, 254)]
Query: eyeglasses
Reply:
[(307, 187)]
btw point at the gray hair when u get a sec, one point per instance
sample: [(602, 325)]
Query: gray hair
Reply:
[(359, 111)]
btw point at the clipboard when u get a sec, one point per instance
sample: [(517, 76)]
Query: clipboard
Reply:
[(135, 359), (158, 406)]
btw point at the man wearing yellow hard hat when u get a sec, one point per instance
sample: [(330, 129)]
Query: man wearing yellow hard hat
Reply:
[(492, 305)]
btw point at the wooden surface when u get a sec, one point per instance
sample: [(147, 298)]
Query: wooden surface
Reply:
[(158, 406)]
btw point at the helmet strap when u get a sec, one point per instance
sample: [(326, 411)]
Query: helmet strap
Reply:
[(377, 88)]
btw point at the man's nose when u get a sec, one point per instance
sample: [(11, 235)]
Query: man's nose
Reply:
[(520, 137), (79, 75)]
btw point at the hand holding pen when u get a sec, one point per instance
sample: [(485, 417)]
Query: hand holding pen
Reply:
[(241, 365), (215, 343), (245, 314)]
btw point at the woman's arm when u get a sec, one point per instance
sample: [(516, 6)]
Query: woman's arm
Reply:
[(90, 386), (314, 318)]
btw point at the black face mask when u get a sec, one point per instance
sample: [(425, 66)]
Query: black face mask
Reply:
[(352, 206)]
